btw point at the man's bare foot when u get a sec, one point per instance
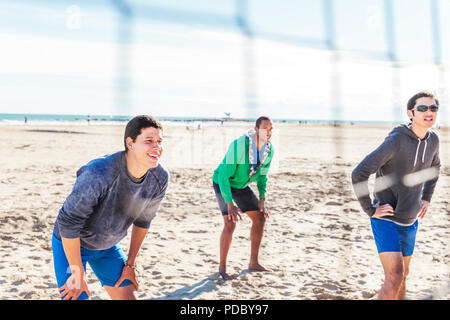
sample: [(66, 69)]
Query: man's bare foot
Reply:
[(257, 267), (226, 276)]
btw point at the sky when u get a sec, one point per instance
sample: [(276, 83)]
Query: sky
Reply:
[(190, 58)]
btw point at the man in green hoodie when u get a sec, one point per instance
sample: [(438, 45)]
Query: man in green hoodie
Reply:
[(247, 160), (407, 168)]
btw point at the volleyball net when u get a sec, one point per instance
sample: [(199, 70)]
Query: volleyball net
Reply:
[(237, 59)]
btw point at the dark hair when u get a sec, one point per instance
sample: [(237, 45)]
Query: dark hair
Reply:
[(261, 119), (135, 125), (421, 94)]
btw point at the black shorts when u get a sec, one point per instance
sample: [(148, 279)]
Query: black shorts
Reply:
[(245, 199)]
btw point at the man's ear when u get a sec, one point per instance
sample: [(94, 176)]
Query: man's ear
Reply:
[(129, 143)]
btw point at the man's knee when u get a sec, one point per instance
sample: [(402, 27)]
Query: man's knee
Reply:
[(259, 219), (229, 226), (396, 277), (405, 273)]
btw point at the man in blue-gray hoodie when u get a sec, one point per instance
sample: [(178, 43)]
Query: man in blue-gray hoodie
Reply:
[(407, 168), (110, 194)]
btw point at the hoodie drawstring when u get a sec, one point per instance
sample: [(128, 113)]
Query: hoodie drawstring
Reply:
[(417, 152), (424, 150)]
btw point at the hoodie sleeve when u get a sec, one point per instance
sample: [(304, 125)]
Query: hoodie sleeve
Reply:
[(370, 164), (429, 186)]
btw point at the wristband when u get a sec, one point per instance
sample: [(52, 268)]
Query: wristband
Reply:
[(132, 266)]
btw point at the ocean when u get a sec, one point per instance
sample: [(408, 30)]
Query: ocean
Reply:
[(72, 119)]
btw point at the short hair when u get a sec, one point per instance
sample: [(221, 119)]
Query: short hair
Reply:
[(421, 94), (261, 119), (135, 125)]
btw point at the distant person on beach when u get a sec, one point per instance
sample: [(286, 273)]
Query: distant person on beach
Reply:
[(248, 159), (110, 194), (407, 168), (88, 119), (25, 119)]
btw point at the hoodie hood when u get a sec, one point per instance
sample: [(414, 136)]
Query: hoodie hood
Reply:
[(251, 135)]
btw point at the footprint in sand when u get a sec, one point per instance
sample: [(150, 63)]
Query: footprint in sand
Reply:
[(27, 295), (368, 295)]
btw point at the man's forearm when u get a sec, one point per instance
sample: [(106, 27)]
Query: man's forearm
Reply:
[(137, 237), (261, 202), (72, 249)]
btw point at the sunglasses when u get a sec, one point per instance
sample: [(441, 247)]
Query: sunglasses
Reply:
[(432, 108)]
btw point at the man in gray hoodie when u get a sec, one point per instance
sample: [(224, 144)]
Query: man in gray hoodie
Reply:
[(110, 194), (407, 168)]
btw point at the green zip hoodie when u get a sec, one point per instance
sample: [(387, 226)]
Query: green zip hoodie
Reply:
[(234, 170)]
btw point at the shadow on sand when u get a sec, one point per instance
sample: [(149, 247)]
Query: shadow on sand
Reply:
[(208, 284)]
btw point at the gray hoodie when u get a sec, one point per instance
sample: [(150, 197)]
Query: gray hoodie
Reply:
[(406, 169)]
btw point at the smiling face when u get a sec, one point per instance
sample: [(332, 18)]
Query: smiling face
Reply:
[(423, 119), (147, 148)]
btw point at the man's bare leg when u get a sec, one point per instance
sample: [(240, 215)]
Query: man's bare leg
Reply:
[(393, 275), (225, 243), (402, 291), (121, 293), (256, 234)]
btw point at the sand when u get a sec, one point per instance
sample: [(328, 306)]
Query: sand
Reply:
[(317, 241)]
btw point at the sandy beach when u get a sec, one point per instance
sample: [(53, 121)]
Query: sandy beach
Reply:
[(317, 241)]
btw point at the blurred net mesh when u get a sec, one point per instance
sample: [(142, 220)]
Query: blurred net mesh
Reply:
[(240, 15), (338, 56)]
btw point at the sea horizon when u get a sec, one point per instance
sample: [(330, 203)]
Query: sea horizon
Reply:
[(80, 119)]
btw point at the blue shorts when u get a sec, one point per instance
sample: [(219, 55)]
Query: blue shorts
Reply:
[(106, 264), (245, 199), (391, 237)]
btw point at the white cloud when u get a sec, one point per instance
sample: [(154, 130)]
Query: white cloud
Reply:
[(38, 55), (203, 71)]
